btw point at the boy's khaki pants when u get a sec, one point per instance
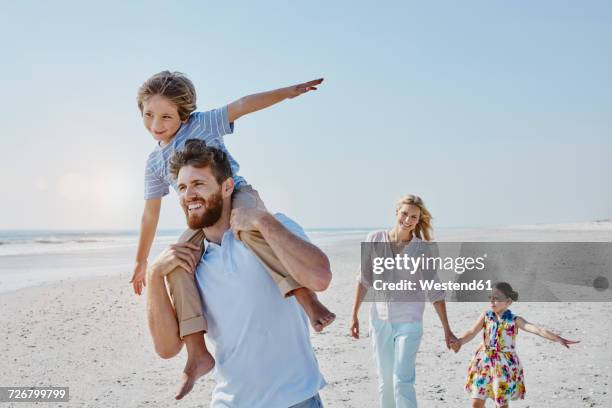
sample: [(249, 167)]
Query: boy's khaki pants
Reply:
[(181, 284)]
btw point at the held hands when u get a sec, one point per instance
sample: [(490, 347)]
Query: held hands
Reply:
[(138, 278), (186, 255), (452, 342), (296, 90)]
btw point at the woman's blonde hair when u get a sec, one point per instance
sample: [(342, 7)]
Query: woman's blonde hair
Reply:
[(174, 86), (424, 229)]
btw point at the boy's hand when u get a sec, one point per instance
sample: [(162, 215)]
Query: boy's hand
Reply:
[(297, 90), (138, 278)]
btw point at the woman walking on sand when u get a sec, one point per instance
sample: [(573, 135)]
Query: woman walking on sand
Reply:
[(396, 327)]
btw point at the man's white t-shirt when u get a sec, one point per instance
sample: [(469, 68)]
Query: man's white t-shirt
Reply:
[(261, 340)]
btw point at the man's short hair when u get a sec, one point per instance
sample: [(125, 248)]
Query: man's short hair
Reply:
[(197, 154)]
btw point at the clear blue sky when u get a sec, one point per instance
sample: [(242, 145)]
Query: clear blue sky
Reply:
[(495, 112)]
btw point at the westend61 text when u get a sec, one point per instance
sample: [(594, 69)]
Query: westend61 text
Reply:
[(431, 285), (412, 264)]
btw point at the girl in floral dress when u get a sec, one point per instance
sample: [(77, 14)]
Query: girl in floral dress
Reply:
[(495, 371)]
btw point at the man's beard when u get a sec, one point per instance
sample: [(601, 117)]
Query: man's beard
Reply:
[(213, 207)]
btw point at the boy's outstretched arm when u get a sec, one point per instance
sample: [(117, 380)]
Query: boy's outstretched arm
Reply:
[(259, 101)]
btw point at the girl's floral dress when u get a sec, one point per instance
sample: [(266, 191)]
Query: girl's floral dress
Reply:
[(495, 371)]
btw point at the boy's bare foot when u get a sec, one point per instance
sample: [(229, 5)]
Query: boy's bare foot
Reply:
[(199, 363), (195, 368), (320, 317)]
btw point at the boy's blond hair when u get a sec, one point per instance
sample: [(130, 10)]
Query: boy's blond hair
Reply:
[(174, 86)]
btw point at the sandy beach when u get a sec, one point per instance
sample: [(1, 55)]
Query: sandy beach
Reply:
[(90, 334)]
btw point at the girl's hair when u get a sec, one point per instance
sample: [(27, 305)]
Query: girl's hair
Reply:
[(174, 86), (424, 229), (506, 289)]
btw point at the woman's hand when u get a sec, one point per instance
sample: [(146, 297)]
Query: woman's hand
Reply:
[(355, 327)]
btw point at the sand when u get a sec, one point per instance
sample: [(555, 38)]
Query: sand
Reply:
[(91, 335)]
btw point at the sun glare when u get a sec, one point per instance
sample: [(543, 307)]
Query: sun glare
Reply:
[(95, 199)]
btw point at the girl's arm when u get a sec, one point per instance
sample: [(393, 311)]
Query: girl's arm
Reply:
[(255, 102), (542, 332), (473, 331), (148, 226), (360, 292)]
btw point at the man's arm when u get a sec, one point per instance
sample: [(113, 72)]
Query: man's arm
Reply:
[(307, 264), (255, 102), (160, 312)]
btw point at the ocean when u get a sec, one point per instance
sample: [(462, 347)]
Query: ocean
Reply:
[(32, 257)]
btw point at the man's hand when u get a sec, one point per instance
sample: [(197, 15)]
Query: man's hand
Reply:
[(185, 255), (138, 278), (245, 219), (297, 90)]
